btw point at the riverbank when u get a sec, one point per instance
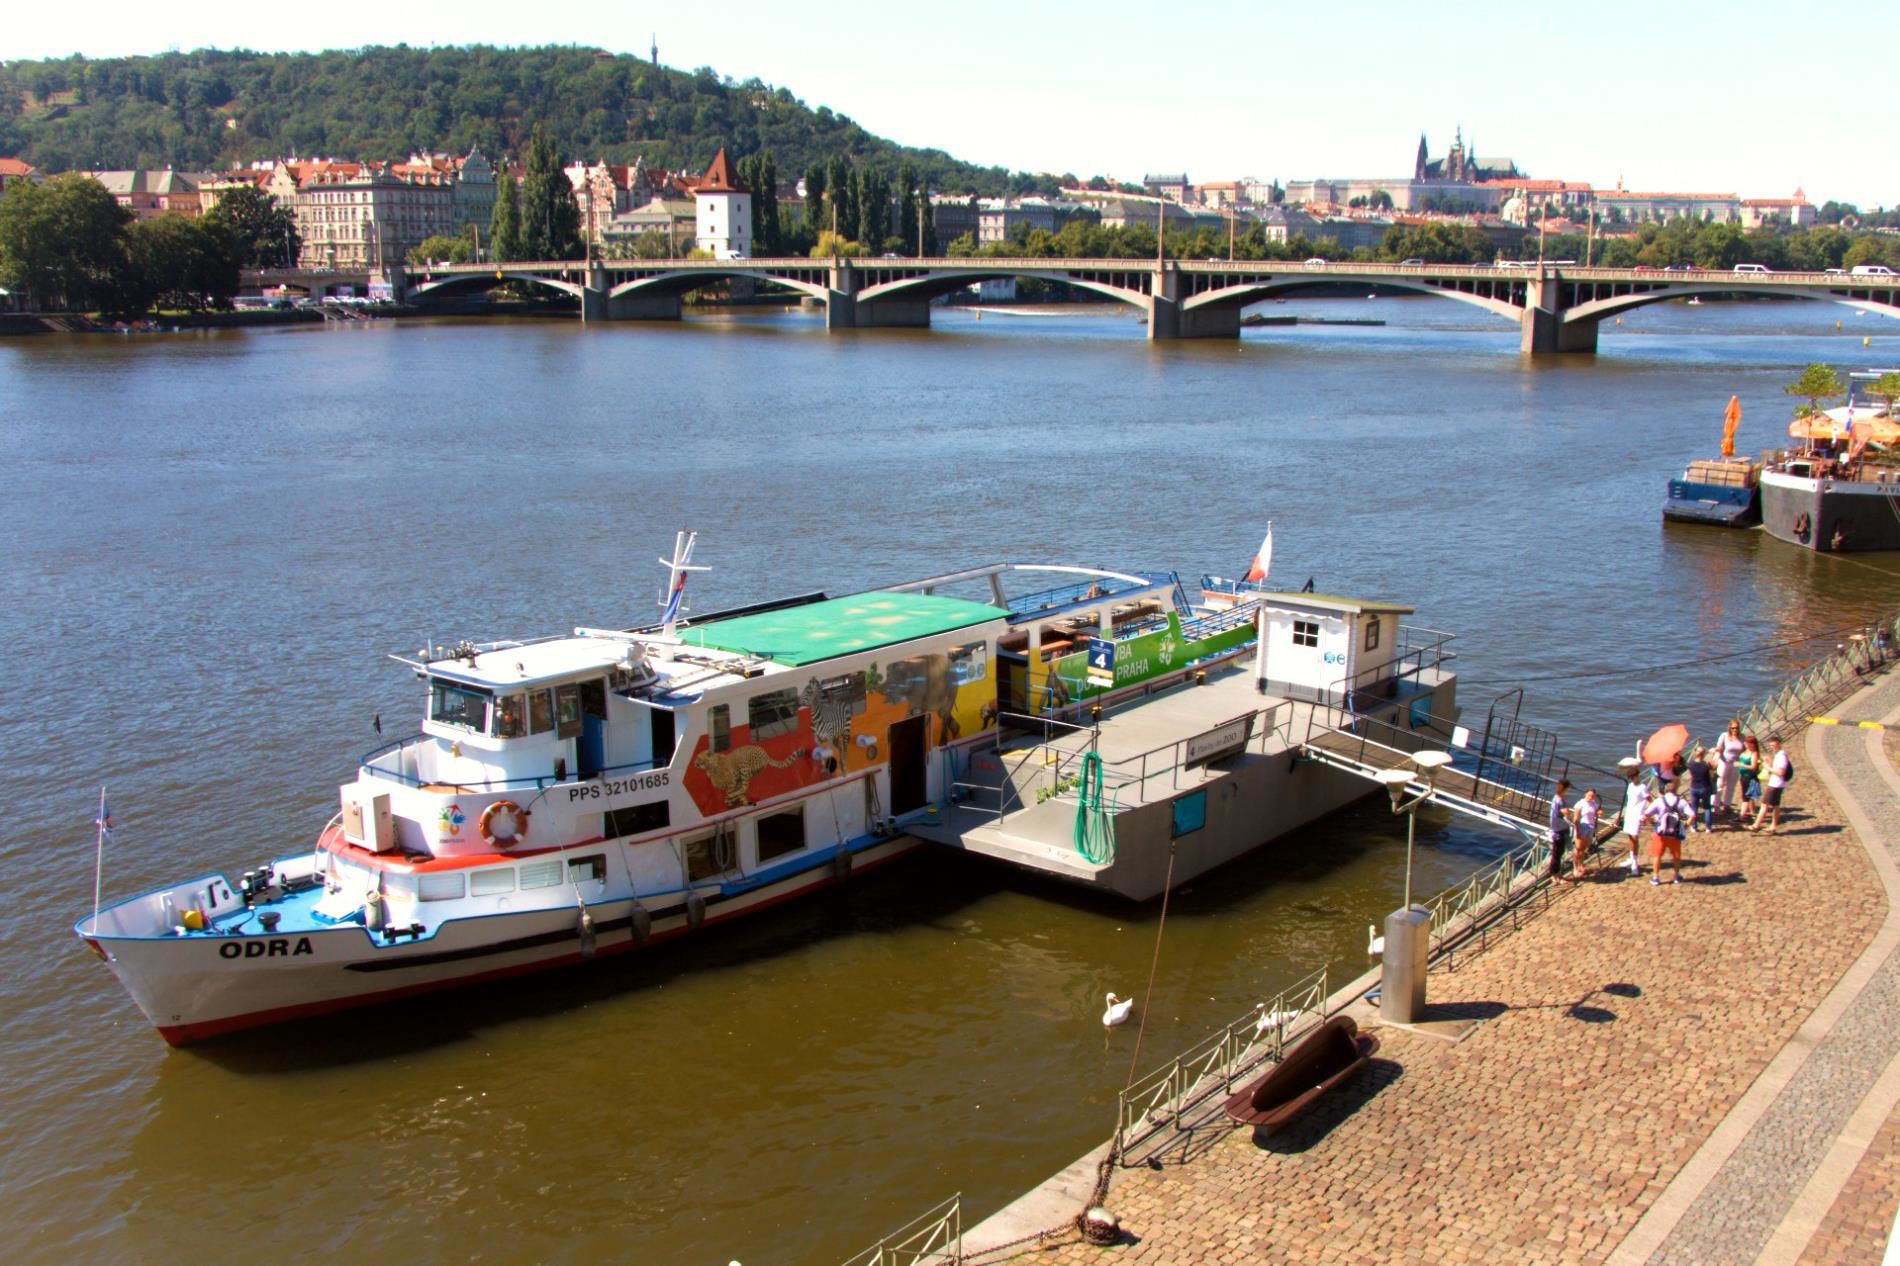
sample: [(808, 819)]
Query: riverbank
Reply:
[(1663, 1074), (79, 323)]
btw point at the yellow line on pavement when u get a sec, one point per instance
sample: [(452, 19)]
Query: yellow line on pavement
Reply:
[(1865, 725)]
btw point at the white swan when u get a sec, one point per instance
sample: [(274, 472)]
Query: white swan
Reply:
[(1375, 944), (1117, 1013), (1273, 1020)]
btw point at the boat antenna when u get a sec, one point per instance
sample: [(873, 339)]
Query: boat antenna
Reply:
[(677, 568)]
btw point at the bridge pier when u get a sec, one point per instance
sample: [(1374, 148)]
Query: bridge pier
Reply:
[(1169, 318), (845, 311), (599, 303), (1544, 332)]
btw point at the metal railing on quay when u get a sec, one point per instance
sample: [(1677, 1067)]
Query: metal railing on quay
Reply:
[(1470, 908), (930, 1239), (1821, 685), (1164, 1098)]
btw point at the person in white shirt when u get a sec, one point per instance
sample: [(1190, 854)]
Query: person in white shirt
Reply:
[(1585, 814), (1635, 800), (1780, 769), (1728, 750)]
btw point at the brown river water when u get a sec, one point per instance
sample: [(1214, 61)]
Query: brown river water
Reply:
[(211, 540)]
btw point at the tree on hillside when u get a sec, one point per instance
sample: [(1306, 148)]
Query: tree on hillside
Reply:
[(63, 242), (1816, 383), (550, 218), (874, 210), (265, 234), (815, 197), (841, 208), (504, 222), (758, 173)]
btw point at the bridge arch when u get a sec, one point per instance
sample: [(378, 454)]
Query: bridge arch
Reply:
[(679, 282), (1254, 291), (1597, 309), (929, 285), (488, 279)]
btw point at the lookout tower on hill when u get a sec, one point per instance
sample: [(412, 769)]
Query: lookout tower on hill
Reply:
[(724, 207)]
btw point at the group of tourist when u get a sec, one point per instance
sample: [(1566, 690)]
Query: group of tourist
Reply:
[(1734, 780)]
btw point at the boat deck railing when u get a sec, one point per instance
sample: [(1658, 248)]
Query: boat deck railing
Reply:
[(1093, 589), (395, 762)]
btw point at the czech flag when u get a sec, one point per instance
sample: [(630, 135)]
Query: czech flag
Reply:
[(1262, 561)]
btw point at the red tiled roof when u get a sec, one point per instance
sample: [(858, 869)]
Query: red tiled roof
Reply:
[(719, 177), (15, 167), (1631, 193)]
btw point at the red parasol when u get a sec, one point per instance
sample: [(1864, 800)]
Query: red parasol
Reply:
[(1662, 747)]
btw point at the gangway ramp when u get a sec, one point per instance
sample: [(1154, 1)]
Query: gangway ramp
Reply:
[(1455, 789)]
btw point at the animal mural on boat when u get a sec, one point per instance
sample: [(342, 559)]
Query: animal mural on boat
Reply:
[(831, 707), (731, 773)]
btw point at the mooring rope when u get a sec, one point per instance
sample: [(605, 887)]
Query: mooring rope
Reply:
[(1094, 829)]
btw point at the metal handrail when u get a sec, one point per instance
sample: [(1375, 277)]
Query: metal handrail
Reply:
[(934, 1238), (1796, 699), (1162, 1098)]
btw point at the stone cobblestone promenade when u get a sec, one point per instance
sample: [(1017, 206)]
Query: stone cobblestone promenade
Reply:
[(1702, 1073)]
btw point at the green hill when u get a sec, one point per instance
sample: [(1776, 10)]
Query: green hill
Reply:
[(210, 108)]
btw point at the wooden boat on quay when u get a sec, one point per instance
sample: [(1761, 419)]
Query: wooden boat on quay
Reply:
[(1323, 1061)]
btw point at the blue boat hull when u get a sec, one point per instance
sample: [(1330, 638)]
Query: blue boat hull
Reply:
[(1713, 503)]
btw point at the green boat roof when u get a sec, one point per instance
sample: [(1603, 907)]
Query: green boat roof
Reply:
[(840, 626)]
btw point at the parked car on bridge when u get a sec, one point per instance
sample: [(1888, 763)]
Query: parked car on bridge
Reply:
[(1870, 270), (1414, 262), (1752, 268), (1316, 262)]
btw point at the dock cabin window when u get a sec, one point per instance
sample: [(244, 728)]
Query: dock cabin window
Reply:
[(1306, 633), (459, 705), (773, 714), (781, 833), (1372, 634)]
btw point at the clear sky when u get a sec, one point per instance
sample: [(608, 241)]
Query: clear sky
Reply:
[(1746, 96)]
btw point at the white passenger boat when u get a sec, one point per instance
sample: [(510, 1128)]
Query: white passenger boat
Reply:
[(591, 793)]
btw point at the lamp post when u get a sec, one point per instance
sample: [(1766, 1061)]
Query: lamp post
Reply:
[(1408, 929)]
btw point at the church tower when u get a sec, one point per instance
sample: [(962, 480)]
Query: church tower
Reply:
[(724, 209), (1418, 168)]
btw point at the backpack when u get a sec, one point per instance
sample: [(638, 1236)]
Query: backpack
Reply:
[(1787, 772), (1671, 821)]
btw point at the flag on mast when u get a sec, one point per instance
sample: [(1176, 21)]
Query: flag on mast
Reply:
[(104, 819), (1262, 561)]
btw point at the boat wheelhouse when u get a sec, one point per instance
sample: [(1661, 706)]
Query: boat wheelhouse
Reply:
[(1838, 490)]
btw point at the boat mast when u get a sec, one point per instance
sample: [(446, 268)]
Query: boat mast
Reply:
[(676, 569)]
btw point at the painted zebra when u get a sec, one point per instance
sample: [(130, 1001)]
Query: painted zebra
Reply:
[(830, 719)]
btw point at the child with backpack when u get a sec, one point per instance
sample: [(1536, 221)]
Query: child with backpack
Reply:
[(1670, 813)]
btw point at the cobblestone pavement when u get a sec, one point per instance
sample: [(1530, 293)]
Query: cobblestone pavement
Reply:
[(1857, 1227), (1739, 1210), (1625, 1022)]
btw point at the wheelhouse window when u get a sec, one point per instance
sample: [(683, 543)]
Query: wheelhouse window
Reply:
[(781, 833), (772, 714), (1305, 633), (540, 711), (511, 716), (460, 706)]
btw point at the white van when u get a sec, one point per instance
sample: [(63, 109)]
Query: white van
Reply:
[(1871, 270), (1751, 268)]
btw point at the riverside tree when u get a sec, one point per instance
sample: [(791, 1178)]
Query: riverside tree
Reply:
[(504, 222), (181, 263), (550, 218), (263, 233), (63, 242), (1816, 383)]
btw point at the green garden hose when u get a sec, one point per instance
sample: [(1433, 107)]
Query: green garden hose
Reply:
[(1094, 826)]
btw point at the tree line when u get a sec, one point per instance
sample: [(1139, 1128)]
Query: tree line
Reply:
[(211, 108), (69, 245)]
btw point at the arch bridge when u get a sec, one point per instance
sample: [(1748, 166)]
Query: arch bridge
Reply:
[(1557, 307)]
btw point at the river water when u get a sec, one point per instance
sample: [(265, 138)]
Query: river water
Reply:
[(212, 539)]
